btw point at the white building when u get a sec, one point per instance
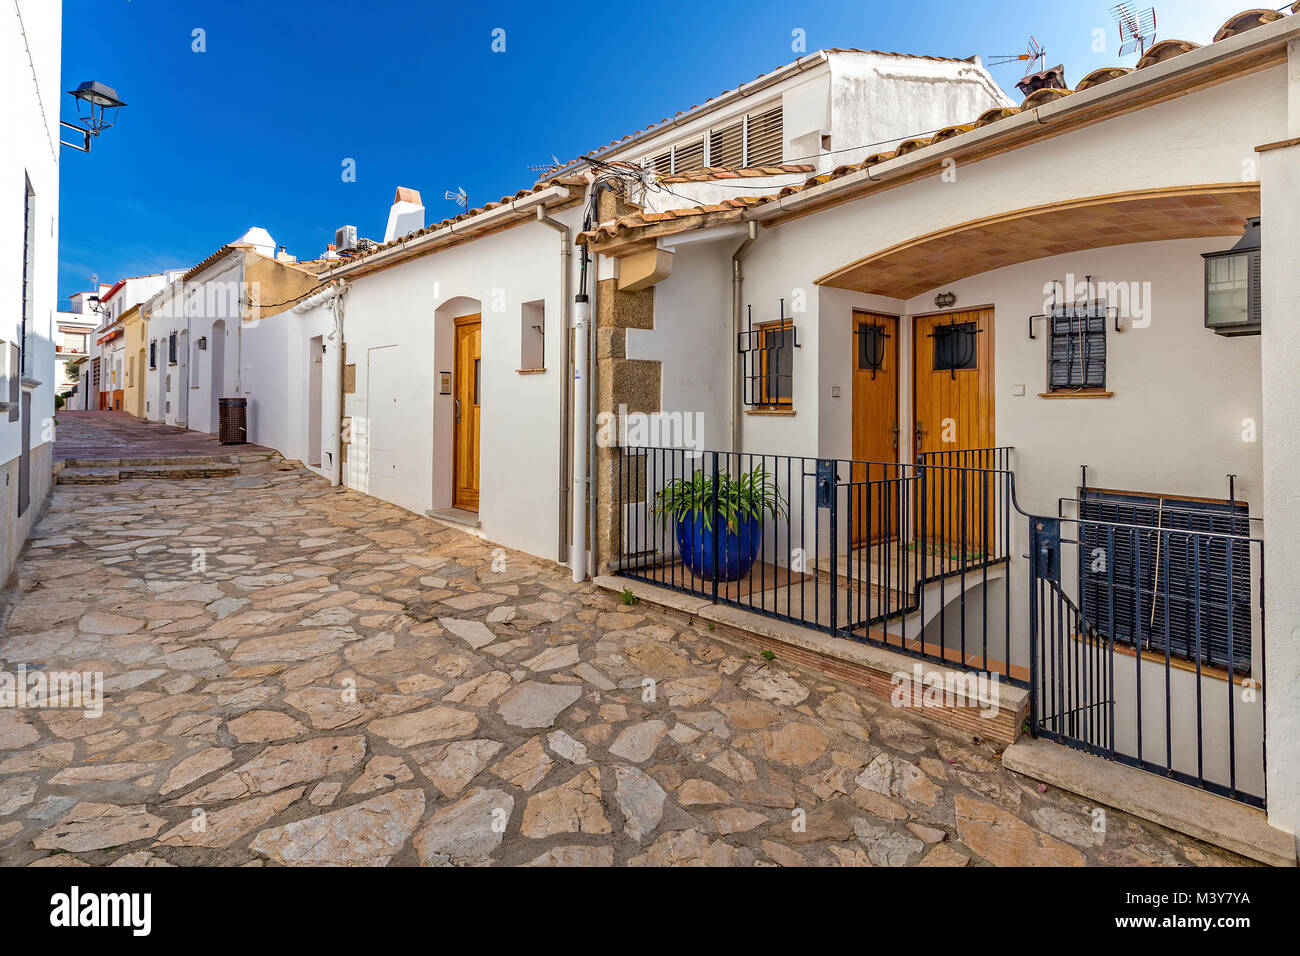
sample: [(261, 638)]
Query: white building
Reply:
[(194, 330), (1017, 336), (484, 300), (30, 48), (74, 331), (104, 374)]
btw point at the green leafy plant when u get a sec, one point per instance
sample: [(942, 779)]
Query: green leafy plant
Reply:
[(769, 655), (630, 599), (742, 498)]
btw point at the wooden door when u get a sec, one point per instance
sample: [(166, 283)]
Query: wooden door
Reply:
[(953, 413), (467, 389), (876, 491)]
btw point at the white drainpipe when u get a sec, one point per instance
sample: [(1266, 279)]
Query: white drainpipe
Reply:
[(333, 412), (567, 420), (581, 325)]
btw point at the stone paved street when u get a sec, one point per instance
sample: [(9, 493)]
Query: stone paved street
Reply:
[(330, 679)]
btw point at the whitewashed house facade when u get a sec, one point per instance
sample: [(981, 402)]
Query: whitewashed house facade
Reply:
[(30, 49), (484, 300), (1018, 323)]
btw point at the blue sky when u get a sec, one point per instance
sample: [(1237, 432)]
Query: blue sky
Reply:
[(255, 129)]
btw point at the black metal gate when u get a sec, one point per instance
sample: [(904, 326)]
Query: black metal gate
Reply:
[(1148, 650)]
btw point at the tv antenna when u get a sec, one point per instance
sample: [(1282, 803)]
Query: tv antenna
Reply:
[(1035, 53), (1137, 28), (547, 167), (459, 197)]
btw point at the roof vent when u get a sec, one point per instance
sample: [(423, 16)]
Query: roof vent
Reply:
[(1053, 79), (406, 215)]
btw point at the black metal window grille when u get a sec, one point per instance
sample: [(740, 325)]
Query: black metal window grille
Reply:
[(153, 354), (171, 348), (767, 357), (871, 347), (1167, 586), (1076, 351), (956, 346)]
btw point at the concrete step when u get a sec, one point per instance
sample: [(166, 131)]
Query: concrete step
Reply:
[(88, 476), (111, 476), (138, 462)]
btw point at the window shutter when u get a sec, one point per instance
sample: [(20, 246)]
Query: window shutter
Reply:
[(726, 146), (663, 163), (763, 142), (689, 157), (1077, 347), (1152, 579)]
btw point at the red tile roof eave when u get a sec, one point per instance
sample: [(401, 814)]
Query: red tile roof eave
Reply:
[(569, 182)]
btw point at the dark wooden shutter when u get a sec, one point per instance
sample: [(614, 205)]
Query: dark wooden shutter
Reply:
[(1163, 586), (1077, 347)]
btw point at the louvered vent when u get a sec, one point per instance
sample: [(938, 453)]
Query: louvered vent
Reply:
[(764, 139), (663, 163), (727, 146), (1160, 586), (688, 157)]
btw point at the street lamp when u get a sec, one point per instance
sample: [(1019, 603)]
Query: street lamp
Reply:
[(97, 107)]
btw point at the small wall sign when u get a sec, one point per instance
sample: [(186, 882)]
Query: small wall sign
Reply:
[(444, 383)]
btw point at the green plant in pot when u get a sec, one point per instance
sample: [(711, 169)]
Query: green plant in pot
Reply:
[(695, 504)]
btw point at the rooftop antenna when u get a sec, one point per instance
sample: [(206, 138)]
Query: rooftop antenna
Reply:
[(1035, 54), (547, 167), (459, 197), (1137, 28)]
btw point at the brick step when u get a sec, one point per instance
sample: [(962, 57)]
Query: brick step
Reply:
[(88, 476)]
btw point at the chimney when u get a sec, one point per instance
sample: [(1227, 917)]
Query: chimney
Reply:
[(1053, 79), (406, 215)]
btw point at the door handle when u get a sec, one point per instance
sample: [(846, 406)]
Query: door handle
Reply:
[(895, 435), (919, 433), (457, 401)]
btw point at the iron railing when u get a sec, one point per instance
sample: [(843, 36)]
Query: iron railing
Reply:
[(1150, 662), (874, 551)]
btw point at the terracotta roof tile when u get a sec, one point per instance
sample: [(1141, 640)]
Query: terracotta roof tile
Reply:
[(434, 227), (1042, 97), (1105, 74), (709, 173), (1247, 21), (1165, 50)]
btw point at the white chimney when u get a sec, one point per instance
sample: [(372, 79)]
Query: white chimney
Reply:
[(260, 240), (406, 215)]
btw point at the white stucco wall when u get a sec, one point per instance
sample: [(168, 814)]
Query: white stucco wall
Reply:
[(29, 113), (398, 330)]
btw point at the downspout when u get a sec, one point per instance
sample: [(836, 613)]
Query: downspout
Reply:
[(336, 395), (737, 280), (333, 296), (568, 430)]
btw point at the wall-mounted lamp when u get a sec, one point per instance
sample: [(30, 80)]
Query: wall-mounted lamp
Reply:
[(945, 299), (97, 107), (1232, 299)]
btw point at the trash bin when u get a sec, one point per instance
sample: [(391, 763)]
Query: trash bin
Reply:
[(234, 420)]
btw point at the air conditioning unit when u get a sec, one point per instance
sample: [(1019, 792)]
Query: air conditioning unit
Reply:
[(345, 238)]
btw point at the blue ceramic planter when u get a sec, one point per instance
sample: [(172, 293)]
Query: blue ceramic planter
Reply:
[(738, 547)]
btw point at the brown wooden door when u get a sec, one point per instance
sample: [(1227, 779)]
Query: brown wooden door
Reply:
[(953, 412), (468, 392), (875, 426)]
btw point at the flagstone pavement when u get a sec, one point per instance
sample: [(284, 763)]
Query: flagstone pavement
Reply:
[(300, 674)]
